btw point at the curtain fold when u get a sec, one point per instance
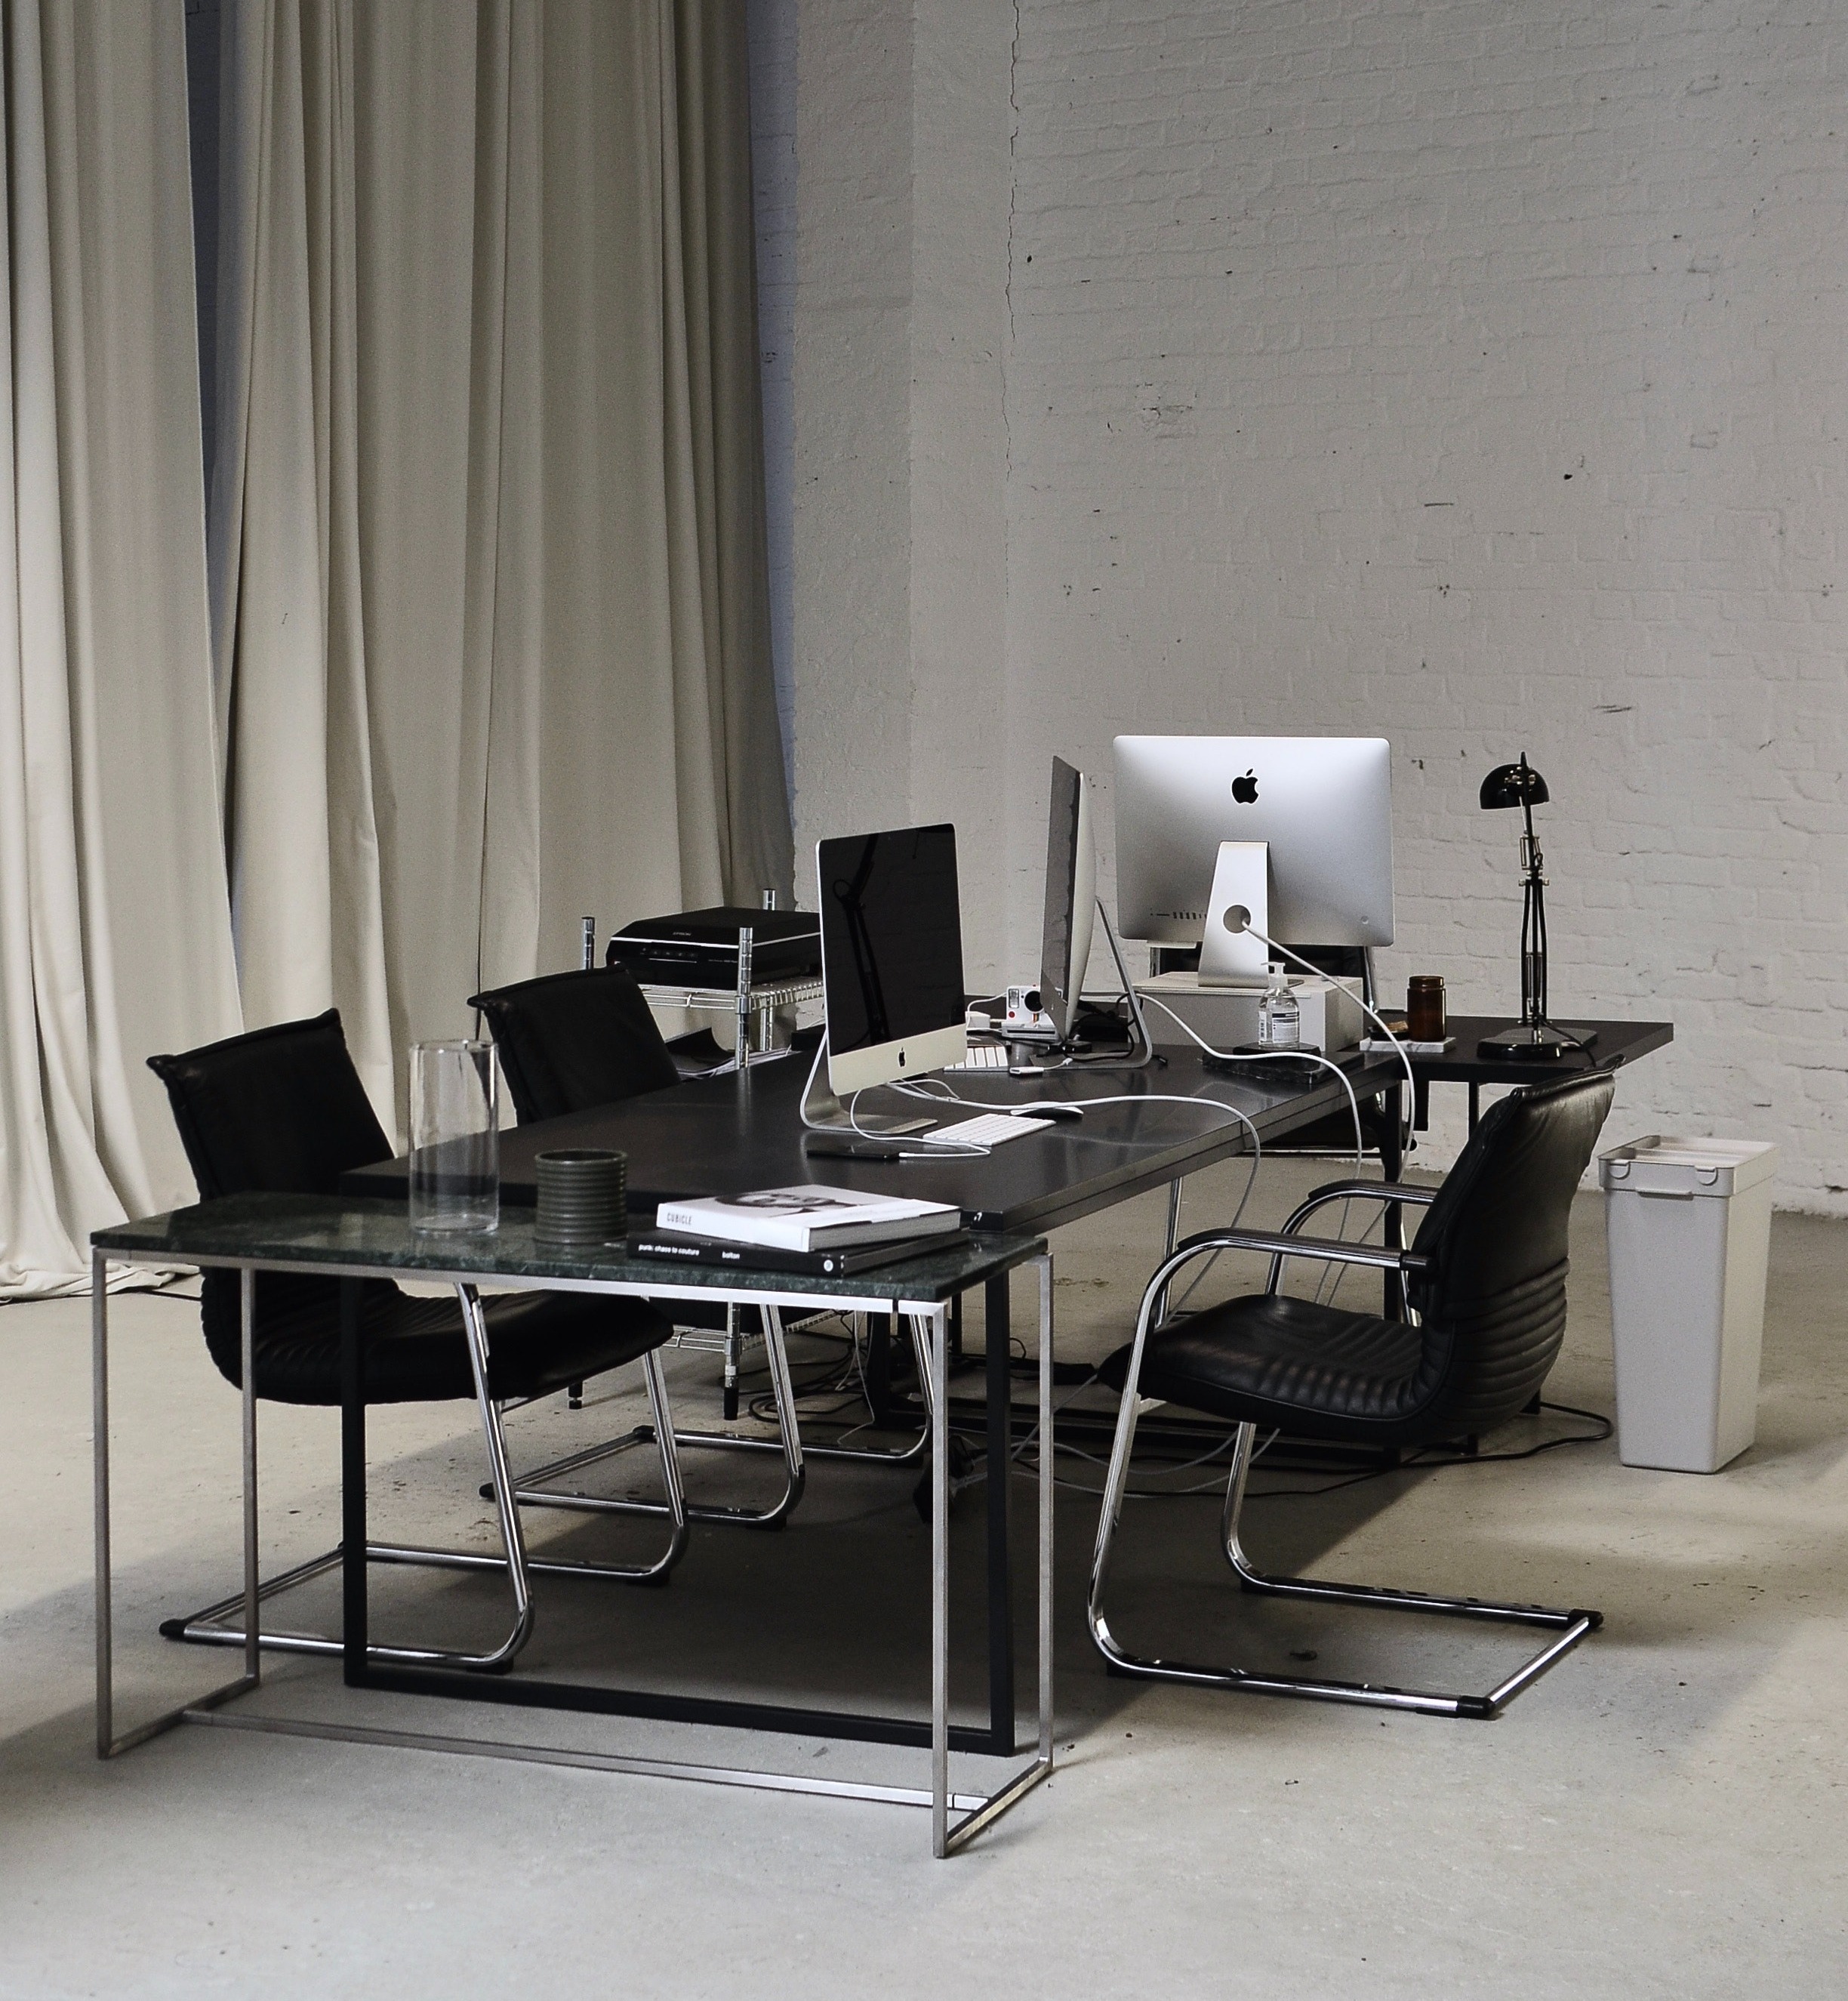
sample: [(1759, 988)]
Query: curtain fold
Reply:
[(115, 940), (491, 636)]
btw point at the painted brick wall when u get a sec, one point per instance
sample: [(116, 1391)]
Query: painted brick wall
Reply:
[(1472, 374)]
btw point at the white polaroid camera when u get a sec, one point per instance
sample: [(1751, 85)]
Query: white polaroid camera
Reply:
[(1026, 1020)]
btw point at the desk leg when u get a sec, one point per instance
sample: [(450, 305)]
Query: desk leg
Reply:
[(1048, 1498), (108, 1744), (1001, 1581), (105, 1682), (945, 1839), (352, 1485), (1475, 1106), (939, 1586), (1392, 1164), (880, 1328), (1175, 1189), (247, 1335)]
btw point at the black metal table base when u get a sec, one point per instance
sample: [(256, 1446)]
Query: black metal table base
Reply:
[(997, 1739), (524, 1691)]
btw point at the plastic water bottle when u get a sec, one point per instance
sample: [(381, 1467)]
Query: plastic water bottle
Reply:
[(1279, 1014)]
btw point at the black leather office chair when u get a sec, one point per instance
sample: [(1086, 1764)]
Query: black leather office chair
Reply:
[(1485, 1276), (282, 1110), (569, 1041)]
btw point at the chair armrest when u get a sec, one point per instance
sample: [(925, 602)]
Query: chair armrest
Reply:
[(1285, 1244), (1382, 1192), (1406, 1191)]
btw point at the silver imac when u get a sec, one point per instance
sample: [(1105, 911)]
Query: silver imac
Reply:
[(1324, 805), (892, 956), (1070, 907)]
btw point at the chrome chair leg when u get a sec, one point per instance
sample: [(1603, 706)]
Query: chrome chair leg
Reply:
[(202, 1628), (1571, 1626), (529, 1493)]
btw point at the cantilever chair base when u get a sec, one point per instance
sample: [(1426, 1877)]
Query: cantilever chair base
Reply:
[(530, 1493), (1570, 1626), (204, 1627)]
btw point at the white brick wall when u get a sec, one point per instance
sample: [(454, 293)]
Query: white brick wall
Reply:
[(1471, 373)]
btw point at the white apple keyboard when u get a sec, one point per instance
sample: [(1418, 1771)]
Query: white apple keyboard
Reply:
[(982, 1055), (991, 1128)]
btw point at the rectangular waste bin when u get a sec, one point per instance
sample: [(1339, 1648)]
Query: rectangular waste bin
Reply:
[(1689, 1225)]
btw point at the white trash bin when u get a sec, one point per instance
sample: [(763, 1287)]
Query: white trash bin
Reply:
[(1690, 1224)]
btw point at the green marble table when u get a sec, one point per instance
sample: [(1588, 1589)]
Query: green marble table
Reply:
[(354, 1239), (347, 1236)]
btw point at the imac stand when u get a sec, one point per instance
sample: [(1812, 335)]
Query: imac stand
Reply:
[(1231, 952), (823, 1112)]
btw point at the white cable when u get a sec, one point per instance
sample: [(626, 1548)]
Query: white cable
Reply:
[(1305, 1056), (1315, 971)]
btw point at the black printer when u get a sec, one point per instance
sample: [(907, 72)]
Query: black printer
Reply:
[(699, 948)]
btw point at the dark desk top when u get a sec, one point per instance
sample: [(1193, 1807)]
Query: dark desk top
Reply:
[(324, 1232), (1618, 1042), (725, 1135)]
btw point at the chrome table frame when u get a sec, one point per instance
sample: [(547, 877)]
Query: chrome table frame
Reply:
[(1570, 1626), (956, 1818)]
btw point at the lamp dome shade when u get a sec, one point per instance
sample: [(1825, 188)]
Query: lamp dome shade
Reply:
[(1514, 785)]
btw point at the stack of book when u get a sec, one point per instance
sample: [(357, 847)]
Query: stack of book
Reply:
[(829, 1232)]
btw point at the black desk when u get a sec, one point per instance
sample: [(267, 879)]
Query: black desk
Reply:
[(1618, 1043), (725, 1135)]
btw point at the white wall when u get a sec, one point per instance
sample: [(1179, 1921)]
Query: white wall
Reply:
[(1473, 373)]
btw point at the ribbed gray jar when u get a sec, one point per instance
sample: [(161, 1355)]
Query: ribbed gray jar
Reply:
[(583, 1197)]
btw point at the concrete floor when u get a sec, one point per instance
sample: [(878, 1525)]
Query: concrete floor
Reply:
[(1662, 1815)]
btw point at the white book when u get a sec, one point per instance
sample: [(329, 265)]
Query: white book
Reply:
[(809, 1218)]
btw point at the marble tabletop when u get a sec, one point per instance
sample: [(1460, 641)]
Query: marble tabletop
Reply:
[(276, 1231)]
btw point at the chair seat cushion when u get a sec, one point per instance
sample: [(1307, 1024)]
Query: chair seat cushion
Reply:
[(1314, 1371), (537, 1342)]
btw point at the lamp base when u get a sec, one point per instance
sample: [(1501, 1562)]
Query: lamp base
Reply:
[(1532, 1041)]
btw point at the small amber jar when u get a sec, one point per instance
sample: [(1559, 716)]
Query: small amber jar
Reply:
[(1424, 1008)]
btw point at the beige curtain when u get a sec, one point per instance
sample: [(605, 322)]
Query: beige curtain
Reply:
[(488, 584), (115, 941)]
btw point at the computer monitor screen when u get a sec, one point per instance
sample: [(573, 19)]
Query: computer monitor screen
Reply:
[(1323, 803), (1070, 895), (892, 955)]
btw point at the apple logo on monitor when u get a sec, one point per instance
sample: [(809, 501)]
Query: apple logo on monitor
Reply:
[(1245, 790)]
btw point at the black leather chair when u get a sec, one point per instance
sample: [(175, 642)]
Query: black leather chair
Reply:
[(569, 1042), (282, 1110), (1485, 1279)]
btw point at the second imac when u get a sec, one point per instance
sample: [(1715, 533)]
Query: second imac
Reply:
[(1068, 924), (1071, 904), (1308, 819)]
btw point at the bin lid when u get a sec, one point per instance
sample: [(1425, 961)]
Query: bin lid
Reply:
[(1667, 1165)]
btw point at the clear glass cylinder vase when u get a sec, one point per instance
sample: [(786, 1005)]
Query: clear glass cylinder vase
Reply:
[(455, 1137)]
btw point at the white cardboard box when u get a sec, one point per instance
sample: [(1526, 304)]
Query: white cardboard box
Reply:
[(1226, 1016)]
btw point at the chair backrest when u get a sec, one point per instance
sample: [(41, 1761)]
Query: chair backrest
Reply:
[(571, 1040), (1494, 1311), (280, 1111)]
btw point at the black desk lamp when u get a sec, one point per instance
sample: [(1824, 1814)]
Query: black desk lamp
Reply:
[(1535, 1040)]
